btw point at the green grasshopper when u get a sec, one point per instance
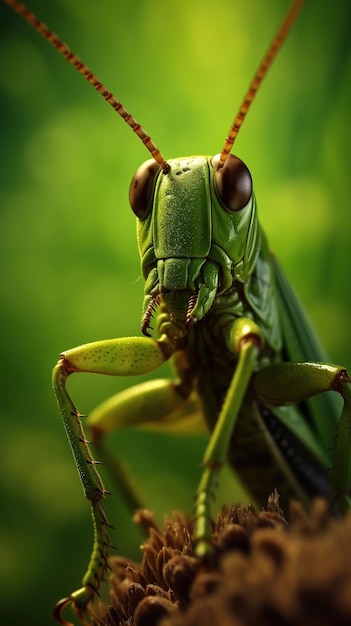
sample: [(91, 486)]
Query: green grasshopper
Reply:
[(245, 356)]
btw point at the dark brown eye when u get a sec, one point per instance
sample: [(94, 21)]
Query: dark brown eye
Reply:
[(233, 182), (141, 188)]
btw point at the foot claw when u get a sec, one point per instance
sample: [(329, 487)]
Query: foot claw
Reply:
[(59, 608)]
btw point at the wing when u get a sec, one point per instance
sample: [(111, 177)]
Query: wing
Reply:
[(301, 344)]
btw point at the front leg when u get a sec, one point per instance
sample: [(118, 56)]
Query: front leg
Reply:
[(245, 340), (115, 357)]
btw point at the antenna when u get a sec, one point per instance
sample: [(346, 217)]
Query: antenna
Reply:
[(257, 79), (83, 69)]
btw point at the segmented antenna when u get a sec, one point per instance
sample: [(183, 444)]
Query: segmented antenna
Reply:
[(257, 79), (83, 69)]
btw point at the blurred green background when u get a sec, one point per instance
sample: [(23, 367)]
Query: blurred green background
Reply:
[(69, 264)]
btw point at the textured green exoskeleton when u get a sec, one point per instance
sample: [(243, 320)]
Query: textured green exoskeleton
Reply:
[(245, 356)]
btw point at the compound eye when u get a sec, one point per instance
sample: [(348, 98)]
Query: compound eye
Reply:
[(142, 187), (233, 182)]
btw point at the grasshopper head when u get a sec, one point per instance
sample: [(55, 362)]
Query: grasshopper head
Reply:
[(197, 232)]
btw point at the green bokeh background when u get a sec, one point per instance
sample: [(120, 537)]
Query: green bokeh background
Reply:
[(69, 265)]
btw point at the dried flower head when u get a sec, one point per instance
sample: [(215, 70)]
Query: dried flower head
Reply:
[(264, 572)]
